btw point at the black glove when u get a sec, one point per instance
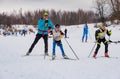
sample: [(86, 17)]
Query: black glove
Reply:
[(51, 32), (49, 28), (46, 21), (110, 41)]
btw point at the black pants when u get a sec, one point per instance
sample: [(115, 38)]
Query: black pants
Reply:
[(38, 36), (99, 43)]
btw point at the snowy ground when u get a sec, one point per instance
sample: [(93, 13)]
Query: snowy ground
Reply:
[(13, 65)]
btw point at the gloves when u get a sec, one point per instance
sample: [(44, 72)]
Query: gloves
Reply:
[(46, 23), (50, 31), (49, 28), (110, 32), (61, 36), (100, 34)]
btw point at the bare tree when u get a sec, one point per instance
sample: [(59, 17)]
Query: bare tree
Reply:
[(115, 7), (61, 17), (101, 8)]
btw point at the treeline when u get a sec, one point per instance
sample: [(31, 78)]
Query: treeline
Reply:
[(115, 7), (105, 10), (61, 17), (108, 9)]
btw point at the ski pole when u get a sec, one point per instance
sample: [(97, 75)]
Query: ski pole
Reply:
[(109, 41), (44, 56), (92, 50), (118, 41), (72, 49), (109, 38), (114, 41), (90, 36)]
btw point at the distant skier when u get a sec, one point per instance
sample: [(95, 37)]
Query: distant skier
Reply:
[(0, 32), (100, 37), (57, 35), (24, 31), (43, 25), (65, 31), (85, 32)]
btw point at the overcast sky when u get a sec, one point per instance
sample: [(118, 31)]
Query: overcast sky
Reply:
[(31, 5)]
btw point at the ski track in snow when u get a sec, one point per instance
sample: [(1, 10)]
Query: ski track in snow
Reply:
[(13, 64)]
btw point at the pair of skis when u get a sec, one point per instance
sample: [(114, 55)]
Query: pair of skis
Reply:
[(55, 59), (105, 57), (116, 42)]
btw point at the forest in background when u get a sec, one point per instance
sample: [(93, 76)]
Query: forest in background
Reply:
[(106, 10)]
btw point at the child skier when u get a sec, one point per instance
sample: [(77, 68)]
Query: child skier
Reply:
[(57, 35), (100, 37)]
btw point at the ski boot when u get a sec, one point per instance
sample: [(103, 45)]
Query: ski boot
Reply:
[(94, 55), (28, 53), (46, 53), (53, 57), (65, 57), (106, 55)]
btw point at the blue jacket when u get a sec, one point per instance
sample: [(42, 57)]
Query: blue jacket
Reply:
[(85, 29), (42, 28)]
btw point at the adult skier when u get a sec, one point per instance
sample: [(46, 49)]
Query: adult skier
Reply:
[(85, 32), (24, 32), (100, 37), (65, 31), (43, 25), (57, 35)]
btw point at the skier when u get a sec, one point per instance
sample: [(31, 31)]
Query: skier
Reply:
[(100, 37), (65, 31), (85, 32), (0, 32), (43, 25), (57, 35), (24, 31)]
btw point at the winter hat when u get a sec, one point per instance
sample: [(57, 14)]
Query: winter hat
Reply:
[(45, 14), (101, 25), (57, 26)]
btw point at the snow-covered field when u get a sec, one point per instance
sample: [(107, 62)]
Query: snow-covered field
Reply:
[(13, 64)]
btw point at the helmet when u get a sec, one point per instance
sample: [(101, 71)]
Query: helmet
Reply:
[(45, 13), (57, 26)]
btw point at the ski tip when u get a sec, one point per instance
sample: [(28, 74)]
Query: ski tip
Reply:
[(24, 55), (69, 59)]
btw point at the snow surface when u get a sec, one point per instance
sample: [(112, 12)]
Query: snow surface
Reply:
[(13, 64)]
